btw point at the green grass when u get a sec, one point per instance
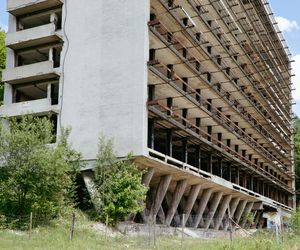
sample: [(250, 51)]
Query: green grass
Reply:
[(56, 236), (85, 238)]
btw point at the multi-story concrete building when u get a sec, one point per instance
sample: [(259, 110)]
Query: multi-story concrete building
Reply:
[(198, 90)]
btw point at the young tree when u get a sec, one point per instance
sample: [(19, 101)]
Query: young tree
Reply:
[(35, 176), (2, 60), (119, 184), (297, 155)]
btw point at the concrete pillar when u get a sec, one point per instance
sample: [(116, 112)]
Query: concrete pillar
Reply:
[(210, 163), (222, 209), (184, 151), (239, 211), (193, 194), (213, 207), (146, 179), (184, 115), (151, 133), (49, 87), (179, 191), (169, 142), (202, 205), (198, 157), (88, 179), (160, 194), (51, 54), (247, 210), (232, 208), (257, 218)]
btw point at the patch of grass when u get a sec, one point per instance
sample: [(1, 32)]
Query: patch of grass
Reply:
[(56, 236)]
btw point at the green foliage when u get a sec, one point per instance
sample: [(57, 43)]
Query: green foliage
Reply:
[(296, 220), (249, 217), (35, 176), (2, 61), (118, 183), (297, 155)]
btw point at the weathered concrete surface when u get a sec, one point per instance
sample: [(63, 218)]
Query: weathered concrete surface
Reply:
[(21, 7), (32, 37), (105, 91)]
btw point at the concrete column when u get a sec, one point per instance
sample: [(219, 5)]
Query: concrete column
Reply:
[(49, 87), (88, 179), (257, 218), (223, 207), (169, 104), (202, 205), (184, 115), (179, 191), (51, 54), (169, 142), (176, 217), (247, 210), (210, 163), (214, 205), (239, 211), (151, 133), (146, 179), (198, 156), (194, 192), (160, 194), (184, 151), (233, 205)]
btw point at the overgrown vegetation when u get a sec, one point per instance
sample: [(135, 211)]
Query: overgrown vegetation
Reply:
[(2, 61), (297, 156), (118, 183), (35, 176)]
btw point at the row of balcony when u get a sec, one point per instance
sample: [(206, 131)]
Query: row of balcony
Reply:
[(232, 26), (159, 30), (171, 78), (179, 122), (188, 29), (37, 44)]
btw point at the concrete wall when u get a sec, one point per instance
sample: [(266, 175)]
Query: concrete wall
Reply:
[(104, 86)]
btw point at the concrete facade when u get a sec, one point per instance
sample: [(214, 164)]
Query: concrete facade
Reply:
[(199, 94)]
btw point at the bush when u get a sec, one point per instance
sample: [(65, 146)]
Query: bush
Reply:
[(35, 176), (119, 184)]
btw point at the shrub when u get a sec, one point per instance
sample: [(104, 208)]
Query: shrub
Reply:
[(35, 176), (118, 183)]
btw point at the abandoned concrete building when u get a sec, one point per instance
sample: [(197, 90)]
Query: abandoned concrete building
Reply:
[(198, 90)]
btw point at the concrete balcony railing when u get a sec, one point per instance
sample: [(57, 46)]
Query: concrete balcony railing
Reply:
[(21, 7), (37, 107), (33, 37), (30, 73)]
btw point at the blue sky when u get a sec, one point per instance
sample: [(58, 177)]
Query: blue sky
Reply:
[(288, 18)]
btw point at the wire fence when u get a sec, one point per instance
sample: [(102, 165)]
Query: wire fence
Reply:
[(149, 235)]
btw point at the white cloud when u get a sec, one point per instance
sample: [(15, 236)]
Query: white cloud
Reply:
[(286, 25)]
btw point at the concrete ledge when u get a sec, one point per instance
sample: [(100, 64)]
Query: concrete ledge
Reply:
[(32, 37), (42, 106), (30, 73), (21, 7)]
